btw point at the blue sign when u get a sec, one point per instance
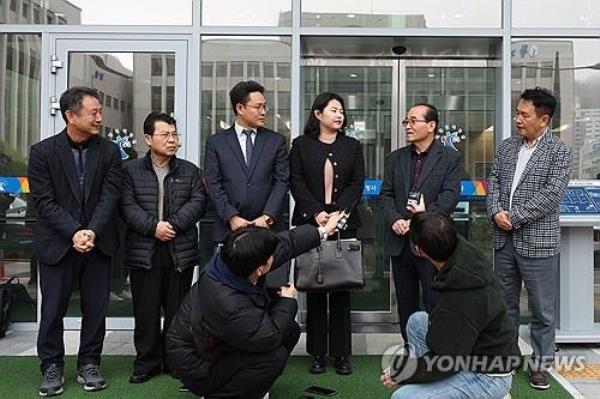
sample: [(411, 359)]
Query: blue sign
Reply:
[(372, 188), (581, 201)]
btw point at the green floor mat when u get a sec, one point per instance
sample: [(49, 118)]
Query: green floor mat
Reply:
[(20, 378)]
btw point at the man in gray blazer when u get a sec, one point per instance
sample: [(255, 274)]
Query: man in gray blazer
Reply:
[(246, 166), (425, 167), (529, 177)]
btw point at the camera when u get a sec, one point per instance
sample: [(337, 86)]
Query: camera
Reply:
[(414, 197)]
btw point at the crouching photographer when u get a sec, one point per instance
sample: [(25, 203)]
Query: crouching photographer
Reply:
[(229, 339)]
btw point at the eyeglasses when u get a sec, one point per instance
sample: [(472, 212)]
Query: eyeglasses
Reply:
[(167, 135), (412, 122), (261, 107)]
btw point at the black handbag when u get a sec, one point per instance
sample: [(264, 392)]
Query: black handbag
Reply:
[(333, 265)]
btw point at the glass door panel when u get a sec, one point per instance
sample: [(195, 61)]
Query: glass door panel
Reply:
[(368, 89), (132, 79), (464, 94)]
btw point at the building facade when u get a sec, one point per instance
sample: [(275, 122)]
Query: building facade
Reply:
[(470, 58)]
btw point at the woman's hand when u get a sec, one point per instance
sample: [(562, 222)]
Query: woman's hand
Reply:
[(332, 222), (322, 218)]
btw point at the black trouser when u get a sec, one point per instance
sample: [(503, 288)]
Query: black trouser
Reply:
[(161, 287), (411, 272), (91, 273), (248, 375), (338, 329)]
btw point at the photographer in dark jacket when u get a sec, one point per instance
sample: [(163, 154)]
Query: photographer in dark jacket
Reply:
[(229, 339), (467, 347), (163, 199)]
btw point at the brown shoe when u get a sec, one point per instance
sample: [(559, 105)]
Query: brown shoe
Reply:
[(538, 379)]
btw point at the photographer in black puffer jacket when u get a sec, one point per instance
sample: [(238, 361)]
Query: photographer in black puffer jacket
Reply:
[(163, 199), (229, 339)]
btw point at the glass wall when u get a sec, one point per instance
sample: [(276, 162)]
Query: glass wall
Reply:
[(571, 69), (241, 13), (402, 14), (94, 12), (20, 82), (556, 14)]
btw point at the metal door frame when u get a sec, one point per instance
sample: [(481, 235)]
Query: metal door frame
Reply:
[(60, 47)]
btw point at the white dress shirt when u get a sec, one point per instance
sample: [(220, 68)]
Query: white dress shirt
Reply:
[(242, 138), (525, 154)]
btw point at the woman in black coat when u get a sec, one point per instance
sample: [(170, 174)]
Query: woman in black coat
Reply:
[(326, 177)]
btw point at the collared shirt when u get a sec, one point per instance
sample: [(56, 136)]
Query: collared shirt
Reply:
[(525, 154), (418, 160), (242, 138)]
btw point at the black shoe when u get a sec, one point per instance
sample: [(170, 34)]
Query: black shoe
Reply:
[(52, 383), (89, 376), (342, 365), (138, 378), (538, 379), (318, 365)]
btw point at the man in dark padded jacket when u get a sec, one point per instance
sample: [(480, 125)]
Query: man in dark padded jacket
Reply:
[(467, 347), (229, 339)]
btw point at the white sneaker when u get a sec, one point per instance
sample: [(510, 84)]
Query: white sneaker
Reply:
[(266, 396)]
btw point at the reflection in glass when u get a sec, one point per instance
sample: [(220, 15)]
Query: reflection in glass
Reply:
[(20, 84), (93, 12), (401, 14), (570, 68), (367, 91), (556, 14), (131, 85), (243, 13)]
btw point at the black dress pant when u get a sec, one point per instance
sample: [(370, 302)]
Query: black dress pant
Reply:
[(412, 272), (240, 374), (162, 288), (91, 273), (335, 330)]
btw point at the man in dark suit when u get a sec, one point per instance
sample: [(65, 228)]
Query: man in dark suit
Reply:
[(246, 166), (431, 172), (74, 179)]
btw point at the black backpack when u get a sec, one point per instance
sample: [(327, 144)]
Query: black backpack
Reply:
[(9, 293)]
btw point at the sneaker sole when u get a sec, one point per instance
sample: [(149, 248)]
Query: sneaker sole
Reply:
[(81, 381), (56, 393), (539, 387)]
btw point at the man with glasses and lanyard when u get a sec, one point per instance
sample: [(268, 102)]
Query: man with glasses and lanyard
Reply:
[(246, 167), (422, 175)]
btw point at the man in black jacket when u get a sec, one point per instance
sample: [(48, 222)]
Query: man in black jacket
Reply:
[(163, 199), (74, 179), (229, 339), (467, 347), (430, 172)]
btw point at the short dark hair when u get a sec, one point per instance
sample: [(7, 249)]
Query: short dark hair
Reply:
[(312, 127), (248, 248), (542, 99), (240, 93), (72, 99), (431, 115), (433, 231), (154, 117)]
